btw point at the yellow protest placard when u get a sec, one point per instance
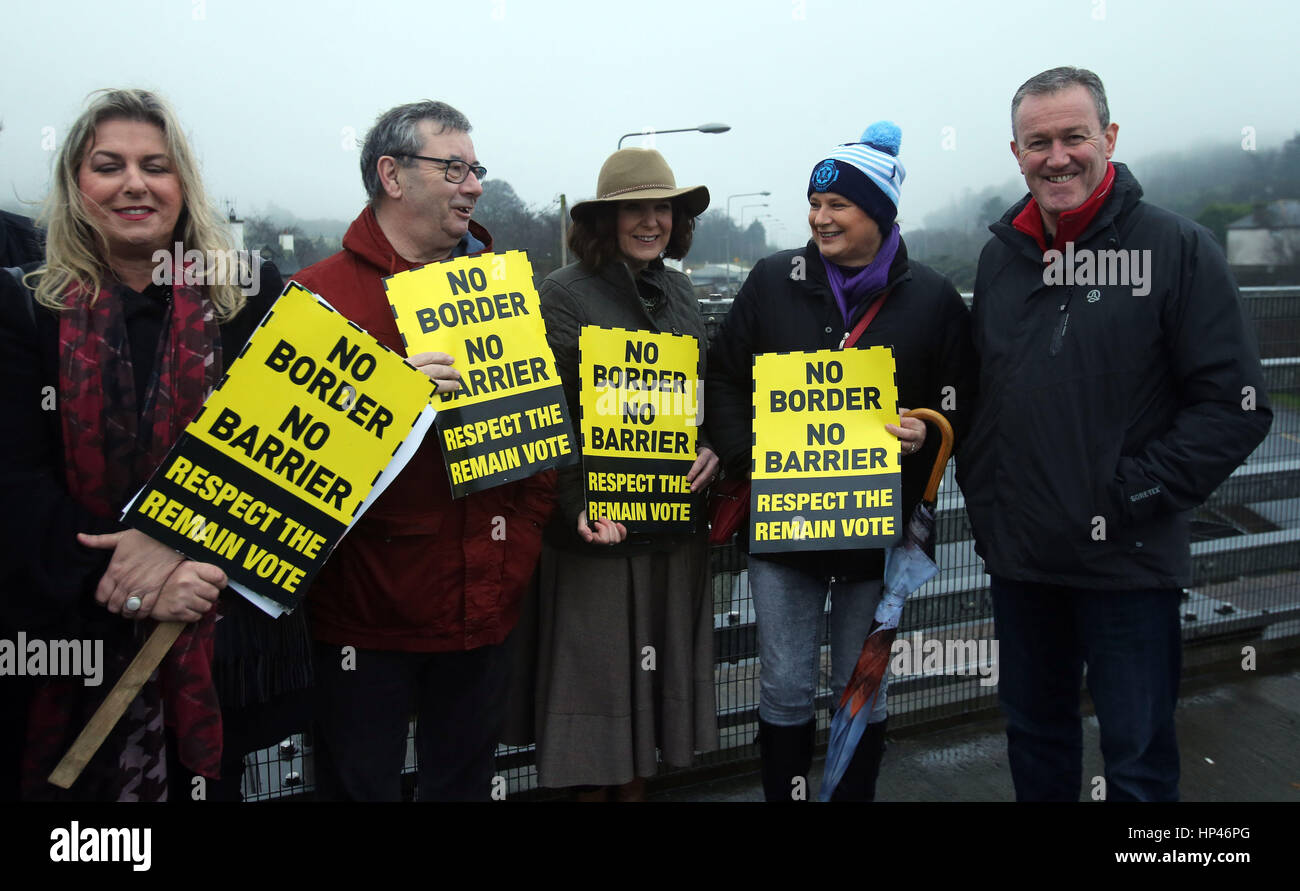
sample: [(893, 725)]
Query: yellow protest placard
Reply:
[(639, 392), (826, 474), (277, 464), (509, 419)]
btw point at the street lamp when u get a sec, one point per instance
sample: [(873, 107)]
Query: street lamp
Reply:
[(728, 258), (744, 208), (778, 235), (771, 223), (702, 128)]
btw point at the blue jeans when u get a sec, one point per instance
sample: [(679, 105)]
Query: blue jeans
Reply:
[(1132, 646), (789, 603)]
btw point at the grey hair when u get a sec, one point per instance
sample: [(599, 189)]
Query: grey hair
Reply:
[(1055, 79), (397, 132)]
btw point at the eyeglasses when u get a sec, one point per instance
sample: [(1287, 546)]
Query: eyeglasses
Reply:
[(457, 171)]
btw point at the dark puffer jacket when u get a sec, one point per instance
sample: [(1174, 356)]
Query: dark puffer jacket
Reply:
[(786, 304), (1106, 415)]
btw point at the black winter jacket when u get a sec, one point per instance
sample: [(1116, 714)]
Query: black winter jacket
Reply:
[(786, 304), (1106, 415), (50, 576), (20, 241)]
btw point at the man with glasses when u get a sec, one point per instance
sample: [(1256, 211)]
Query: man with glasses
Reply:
[(412, 611)]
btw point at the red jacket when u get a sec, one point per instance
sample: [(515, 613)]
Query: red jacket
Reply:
[(420, 572)]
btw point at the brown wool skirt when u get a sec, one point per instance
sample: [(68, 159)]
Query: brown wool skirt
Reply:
[(615, 660)]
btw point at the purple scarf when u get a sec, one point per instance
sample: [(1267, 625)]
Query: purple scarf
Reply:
[(850, 290)]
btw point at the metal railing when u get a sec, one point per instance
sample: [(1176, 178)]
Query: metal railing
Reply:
[(1246, 589)]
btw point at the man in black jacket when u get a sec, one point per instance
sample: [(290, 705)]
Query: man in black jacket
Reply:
[(20, 240), (1120, 384)]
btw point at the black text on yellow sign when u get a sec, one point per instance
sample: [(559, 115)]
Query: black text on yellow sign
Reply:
[(509, 419), (509, 438), (639, 392), (826, 473), (265, 480)]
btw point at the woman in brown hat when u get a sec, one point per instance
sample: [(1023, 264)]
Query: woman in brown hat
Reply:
[(624, 662)]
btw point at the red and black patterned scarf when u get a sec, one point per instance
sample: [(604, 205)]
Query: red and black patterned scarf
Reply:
[(111, 447)]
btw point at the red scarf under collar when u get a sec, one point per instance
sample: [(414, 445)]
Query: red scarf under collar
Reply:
[(1069, 224)]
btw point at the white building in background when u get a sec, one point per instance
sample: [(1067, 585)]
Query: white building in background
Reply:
[(1262, 242), (712, 278)]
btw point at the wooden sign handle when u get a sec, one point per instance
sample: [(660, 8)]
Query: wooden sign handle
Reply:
[(105, 718)]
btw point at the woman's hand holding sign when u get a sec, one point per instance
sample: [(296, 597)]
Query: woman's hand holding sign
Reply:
[(438, 366), (603, 531), (146, 579), (910, 433), (189, 592), (139, 567), (704, 469)]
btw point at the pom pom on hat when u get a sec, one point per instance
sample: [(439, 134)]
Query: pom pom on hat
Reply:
[(883, 135), (868, 172)]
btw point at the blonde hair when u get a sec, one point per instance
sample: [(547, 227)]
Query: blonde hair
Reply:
[(76, 250)]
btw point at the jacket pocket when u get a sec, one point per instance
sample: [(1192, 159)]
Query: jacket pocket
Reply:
[(390, 526), (1050, 476)]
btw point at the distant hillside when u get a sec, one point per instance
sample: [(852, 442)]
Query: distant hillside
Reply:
[(321, 227), (1212, 184)]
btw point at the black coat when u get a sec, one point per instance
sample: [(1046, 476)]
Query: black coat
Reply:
[(20, 241), (1096, 434), (47, 579), (574, 297), (786, 304)]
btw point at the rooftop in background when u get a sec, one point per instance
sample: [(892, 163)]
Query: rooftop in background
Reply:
[(1281, 214), (712, 278)]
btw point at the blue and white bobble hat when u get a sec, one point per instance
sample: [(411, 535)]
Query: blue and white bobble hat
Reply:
[(866, 172)]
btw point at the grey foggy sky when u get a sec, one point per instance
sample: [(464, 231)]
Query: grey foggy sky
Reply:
[(266, 89)]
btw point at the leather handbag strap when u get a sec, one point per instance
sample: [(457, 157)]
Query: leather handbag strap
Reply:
[(861, 328)]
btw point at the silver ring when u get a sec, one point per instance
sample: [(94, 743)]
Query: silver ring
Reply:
[(132, 604)]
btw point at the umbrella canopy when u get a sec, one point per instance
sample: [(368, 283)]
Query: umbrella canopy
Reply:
[(908, 566)]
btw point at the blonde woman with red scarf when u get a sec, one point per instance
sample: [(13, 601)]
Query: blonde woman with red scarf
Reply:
[(101, 368)]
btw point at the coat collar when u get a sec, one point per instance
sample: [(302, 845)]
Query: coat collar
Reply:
[(1124, 194), (815, 279), (620, 277), (367, 240)]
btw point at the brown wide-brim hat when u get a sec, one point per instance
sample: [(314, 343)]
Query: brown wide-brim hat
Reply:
[(636, 174)]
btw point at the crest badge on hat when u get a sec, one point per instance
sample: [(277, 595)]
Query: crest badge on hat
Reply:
[(867, 172), (825, 174)]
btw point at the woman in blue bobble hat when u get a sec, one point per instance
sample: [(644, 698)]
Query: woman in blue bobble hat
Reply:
[(854, 267)]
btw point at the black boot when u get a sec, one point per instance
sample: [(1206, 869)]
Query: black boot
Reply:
[(787, 753), (859, 780)]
